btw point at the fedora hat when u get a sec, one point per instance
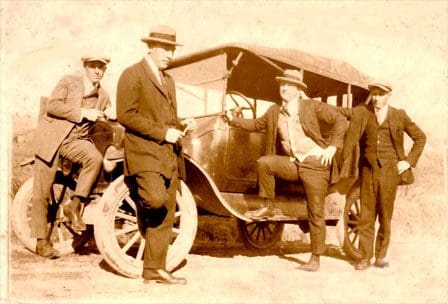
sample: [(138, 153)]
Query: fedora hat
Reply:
[(293, 76), (386, 87), (102, 59), (163, 34)]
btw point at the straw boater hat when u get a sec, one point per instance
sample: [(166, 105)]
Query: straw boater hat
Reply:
[(102, 59), (163, 34), (293, 76), (386, 87)]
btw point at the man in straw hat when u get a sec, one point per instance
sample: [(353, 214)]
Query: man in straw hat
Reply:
[(146, 107), (307, 156), (75, 103), (379, 129)]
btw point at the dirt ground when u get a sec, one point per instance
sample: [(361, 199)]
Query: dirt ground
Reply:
[(229, 273), (220, 269)]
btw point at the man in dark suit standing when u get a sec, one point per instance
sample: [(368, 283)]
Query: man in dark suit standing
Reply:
[(379, 129), (146, 107), (75, 103), (306, 154)]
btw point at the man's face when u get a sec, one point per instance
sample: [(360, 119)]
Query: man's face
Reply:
[(161, 54), (94, 70), (379, 97), (289, 91)]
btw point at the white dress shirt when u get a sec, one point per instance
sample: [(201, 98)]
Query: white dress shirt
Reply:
[(381, 114)]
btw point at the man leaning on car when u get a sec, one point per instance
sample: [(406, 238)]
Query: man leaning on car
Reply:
[(75, 103), (308, 157), (379, 129)]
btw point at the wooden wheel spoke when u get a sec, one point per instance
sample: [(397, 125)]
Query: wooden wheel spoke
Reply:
[(257, 237), (121, 214), (126, 230), (60, 234), (131, 242), (131, 202), (141, 249), (352, 222), (263, 232), (268, 228), (355, 239), (176, 230)]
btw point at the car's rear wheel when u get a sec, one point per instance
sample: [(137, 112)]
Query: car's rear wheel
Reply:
[(119, 240), (348, 227), (62, 237), (260, 234)]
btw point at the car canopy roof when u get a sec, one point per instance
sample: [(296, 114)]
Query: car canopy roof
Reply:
[(259, 65)]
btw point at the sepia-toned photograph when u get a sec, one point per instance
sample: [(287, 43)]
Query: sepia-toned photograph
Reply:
[(223, 151)]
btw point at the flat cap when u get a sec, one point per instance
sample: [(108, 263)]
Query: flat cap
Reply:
[(386, 87), (102, 59)]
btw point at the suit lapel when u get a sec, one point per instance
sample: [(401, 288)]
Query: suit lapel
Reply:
[(146, 68), (78, 90)]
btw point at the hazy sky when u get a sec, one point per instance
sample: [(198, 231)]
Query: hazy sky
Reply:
[(402, 42)]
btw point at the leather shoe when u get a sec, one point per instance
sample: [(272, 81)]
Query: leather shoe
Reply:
[(363, 264), (162, 276), (312, 265), (380, 263), (46, 250), (264, 212), (73, 216)]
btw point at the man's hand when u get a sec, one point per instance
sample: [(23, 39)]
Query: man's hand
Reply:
[(173, 135), (110, 113), (228, 115), (327, 155), (402, 166), (91, 114), (190, 125)]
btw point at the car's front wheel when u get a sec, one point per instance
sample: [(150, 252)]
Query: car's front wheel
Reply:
[(119, 240)]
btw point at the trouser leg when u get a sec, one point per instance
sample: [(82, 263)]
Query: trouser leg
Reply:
[(368, 212), (388, 183), (315, 178), (269, 167), (83, 152), (43, 179), (158, 205)]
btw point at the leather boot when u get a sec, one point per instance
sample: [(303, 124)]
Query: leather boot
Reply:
[(312, 265), (71, 210), (46, 250), (267, 210), (363, 264)]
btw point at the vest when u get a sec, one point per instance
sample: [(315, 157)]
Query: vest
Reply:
[(377, 143)]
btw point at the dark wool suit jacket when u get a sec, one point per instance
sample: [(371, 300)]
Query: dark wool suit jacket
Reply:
[(399, 123), (147, 109), (59, 114), (321, 122)]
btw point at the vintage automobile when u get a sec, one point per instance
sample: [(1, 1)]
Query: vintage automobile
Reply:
[(220, 160)]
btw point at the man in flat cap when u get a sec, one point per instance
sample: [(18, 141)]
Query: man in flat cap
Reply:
[(379, 129), (146, 107), (75, 103), (306, 154)]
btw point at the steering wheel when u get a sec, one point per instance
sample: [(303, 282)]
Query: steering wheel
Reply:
[(238, 110)]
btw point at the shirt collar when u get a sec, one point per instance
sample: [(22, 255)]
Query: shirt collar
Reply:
[(89, 86), (382, 110), (153, 66), (284, 109)]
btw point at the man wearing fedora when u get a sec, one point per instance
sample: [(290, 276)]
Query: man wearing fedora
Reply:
[(75, 103), (306, 154), (379, 129), (146, 107)]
